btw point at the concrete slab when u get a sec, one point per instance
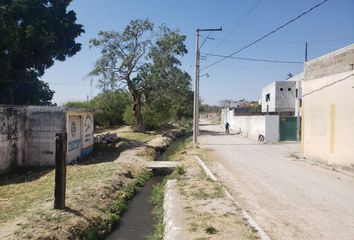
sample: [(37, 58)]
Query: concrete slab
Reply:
[(162, 165)]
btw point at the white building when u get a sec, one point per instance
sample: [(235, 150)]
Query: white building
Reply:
[(283, 96), (279, 96)]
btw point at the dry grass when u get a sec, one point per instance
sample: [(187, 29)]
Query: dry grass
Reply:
[(127, 132), (26, 199), (208, 213)]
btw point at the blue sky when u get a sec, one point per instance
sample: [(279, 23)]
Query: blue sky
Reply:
[(327, 28)]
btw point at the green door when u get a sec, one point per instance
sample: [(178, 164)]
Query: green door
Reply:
[(287, 129)]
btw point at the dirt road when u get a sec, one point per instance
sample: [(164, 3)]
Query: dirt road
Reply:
[(289, 198)]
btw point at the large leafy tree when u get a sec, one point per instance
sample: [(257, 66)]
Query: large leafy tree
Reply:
[(164, 83), (146, 63), (122, 55), (34, 33)]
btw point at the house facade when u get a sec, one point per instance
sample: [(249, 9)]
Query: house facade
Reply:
[(279, 96), (283, 96), (328, 108)]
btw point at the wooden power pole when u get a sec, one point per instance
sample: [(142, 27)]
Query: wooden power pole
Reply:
[(60, 170)]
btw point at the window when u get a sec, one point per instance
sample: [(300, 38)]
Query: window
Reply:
[(289, 89), (267, 97), (281, 89), (296, 92)]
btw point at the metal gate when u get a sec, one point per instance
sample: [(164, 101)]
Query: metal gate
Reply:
[(288, 129)]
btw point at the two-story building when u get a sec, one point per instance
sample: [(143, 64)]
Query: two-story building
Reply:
[(283, 97)]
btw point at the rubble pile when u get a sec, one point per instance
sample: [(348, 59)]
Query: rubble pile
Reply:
[(106, 138)]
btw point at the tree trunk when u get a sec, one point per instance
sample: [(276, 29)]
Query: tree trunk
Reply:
[(138, 126)]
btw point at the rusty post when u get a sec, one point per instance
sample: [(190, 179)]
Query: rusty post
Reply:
[(60, 170)]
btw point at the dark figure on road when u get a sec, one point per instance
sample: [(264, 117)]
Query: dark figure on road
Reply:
[(227, 128)]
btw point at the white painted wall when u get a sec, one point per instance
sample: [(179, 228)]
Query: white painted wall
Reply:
[(317, 120), (256, 127), (270, 89), (328, 108), (81, 143), (253, 126), (272, 128)]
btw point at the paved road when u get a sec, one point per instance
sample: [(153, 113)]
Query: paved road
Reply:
[(289, 198)]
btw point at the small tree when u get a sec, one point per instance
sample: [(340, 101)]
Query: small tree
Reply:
[(122, 55), (289, 75)]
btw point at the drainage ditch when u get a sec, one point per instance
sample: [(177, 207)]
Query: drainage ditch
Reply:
[(137, 222)]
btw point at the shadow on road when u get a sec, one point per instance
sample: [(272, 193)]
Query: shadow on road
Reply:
[(232, 144), (214, 133), (206, 124)]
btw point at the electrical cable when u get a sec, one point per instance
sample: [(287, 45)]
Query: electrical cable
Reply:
[(266, 35), (254, 59), (238, 25)]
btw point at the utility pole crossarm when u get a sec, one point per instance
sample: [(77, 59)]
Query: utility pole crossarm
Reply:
[(209, 29)]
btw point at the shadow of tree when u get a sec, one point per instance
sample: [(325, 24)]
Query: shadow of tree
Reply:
[(21, 175), (102, 153)]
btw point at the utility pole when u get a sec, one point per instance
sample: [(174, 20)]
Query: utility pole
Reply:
[(60, 170), (196, 87), (91, 89)]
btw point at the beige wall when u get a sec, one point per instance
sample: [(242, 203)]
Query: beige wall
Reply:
[(328, 109)]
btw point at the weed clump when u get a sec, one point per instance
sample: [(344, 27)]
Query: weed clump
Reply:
[(180, 170), (211, 230)]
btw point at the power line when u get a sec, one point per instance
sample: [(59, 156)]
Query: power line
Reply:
[(206, 38), (266, 35), (328, 85), (254, 59), (292, 41), (239, 24)]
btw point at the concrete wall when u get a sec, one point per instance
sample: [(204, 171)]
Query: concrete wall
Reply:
[(42, 123), (226, 116), (253, 126), (27, 134), (285, 96), (330, 64), (12, 130), (328, 108), (271, 128)]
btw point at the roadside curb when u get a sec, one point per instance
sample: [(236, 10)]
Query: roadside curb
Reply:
[(249, 219), (171, 208)]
